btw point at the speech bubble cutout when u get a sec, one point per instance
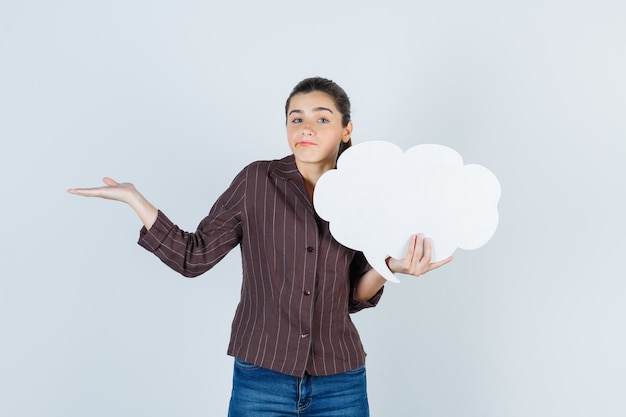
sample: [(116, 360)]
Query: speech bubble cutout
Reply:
[(379, 196)]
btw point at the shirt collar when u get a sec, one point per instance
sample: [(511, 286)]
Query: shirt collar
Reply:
[(285, 169)]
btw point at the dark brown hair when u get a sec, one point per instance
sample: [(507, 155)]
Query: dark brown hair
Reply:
[(332, 89)]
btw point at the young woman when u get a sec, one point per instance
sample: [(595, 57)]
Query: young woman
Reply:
[(297, 352)]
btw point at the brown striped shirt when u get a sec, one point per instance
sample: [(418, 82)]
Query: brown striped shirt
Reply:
[(298, 281)]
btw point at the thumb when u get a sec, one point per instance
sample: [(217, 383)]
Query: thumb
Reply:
[(110, 181)]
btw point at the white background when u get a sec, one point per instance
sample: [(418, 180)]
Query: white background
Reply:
[(177, 96)]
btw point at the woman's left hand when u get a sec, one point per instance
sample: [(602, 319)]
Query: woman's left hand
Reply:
[(418, 258)]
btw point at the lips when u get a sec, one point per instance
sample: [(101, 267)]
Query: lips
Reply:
[(306, 143)]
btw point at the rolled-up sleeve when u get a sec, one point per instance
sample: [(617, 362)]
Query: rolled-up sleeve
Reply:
[(192, 254), (151, 239), (358, 267)]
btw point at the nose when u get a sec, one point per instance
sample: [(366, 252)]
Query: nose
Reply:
[(307, 129)]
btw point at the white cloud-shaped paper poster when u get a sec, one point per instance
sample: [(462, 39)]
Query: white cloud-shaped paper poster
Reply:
[(379, 196)]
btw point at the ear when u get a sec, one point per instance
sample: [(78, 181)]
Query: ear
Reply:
[(347, 132)]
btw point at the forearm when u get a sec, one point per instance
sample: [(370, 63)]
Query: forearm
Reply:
[(370, 283), (145, 210)]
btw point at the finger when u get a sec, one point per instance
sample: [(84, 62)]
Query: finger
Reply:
[(415, 264), (428, 250), (80, 191), (410, 252), (436, 265), (110, 182), (419, 246), (93, 191), (419, 249)]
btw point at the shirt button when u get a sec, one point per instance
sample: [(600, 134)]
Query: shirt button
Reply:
[(310, 249), (307, 292), (304, 335)]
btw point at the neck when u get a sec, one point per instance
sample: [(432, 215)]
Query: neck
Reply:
[(311, 173)]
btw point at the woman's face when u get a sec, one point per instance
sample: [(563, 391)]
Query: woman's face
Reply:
[(315, 130)]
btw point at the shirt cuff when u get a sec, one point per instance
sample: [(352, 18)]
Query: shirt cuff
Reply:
[(152, 239), (358, 305)]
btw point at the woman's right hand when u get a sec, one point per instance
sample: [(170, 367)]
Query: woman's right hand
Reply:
[(124, 192), (113, 190)]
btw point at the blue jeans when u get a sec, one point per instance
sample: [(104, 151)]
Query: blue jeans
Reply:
[(259, 392)]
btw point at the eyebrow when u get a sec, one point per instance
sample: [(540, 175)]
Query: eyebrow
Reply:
[(314, 110)]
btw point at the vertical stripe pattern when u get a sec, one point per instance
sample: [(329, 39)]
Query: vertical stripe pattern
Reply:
[(296, 293)]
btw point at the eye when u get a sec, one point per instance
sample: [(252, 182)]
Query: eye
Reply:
[(323, 120), (296, 120)]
